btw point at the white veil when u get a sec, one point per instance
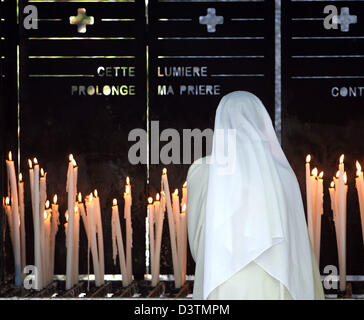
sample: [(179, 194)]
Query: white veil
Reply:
[(255, 213)]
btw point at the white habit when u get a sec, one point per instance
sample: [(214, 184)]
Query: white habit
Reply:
[(246, 228)]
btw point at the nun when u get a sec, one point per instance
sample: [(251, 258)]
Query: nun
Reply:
[(246, 223)]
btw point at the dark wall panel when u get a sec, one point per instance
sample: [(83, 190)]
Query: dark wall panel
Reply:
[(61, 113), (323, 95)]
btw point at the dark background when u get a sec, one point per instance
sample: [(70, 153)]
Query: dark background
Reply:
[(53, 123)]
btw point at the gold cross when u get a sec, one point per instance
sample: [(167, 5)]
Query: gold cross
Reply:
[(82, 20)]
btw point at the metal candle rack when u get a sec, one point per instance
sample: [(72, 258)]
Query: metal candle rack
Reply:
[(111, 289)]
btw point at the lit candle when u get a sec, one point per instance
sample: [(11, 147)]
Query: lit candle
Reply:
[(10, 219), (115, 220), (55, 224), (359, 182), (318, 212), (22, 222), (42, 201), (176, 213), (184, 195), (151, 222), (92, 229), (183, 244), (100, 238), (36, 224), (70, 189), (77, 241), (172, 231), (15, 219), (159, 209), (309, 198), (342, 224), (47, 243), (313, 197), (82, 212), (129, 229)]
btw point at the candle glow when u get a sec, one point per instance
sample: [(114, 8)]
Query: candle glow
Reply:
[(308, 158), (55, 199), (341, 159)]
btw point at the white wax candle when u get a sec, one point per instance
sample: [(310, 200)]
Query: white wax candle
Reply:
[(172, 232), (77, 240), (71, 222), (22, 223), (342, 223), (159, 210), (46, 253), (311, 221), (42, 200), (120, 245), (183, 244), (318, 212), (9, 216), (66, 226), (15, 219), (176, 213), (92, 228), (100, 238), (151, 222), (55, 224), (309, 198), (184, 195), (129, 229), (36, 223), (359, 182)]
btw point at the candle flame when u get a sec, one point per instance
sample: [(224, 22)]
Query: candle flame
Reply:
[(175, 192), (345, 178), (150, 200), (91, 196), (157, 197), (55, 198), (79, 197), (30, 164), (127, 180), (47, 204), (45, 215), (308, 158), (115, 202), (35, 160), (184, 207), (42, 172), (20, 177), (10, 156), (315, 172), (66, 216), (341, 159), (127, 189), (70, 157), (337, 174), (76, 208), (74, 163), (358, 168), (332, 185), (185, 184), (321, 174), (7, 201), (95, 193), (164, 171)]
